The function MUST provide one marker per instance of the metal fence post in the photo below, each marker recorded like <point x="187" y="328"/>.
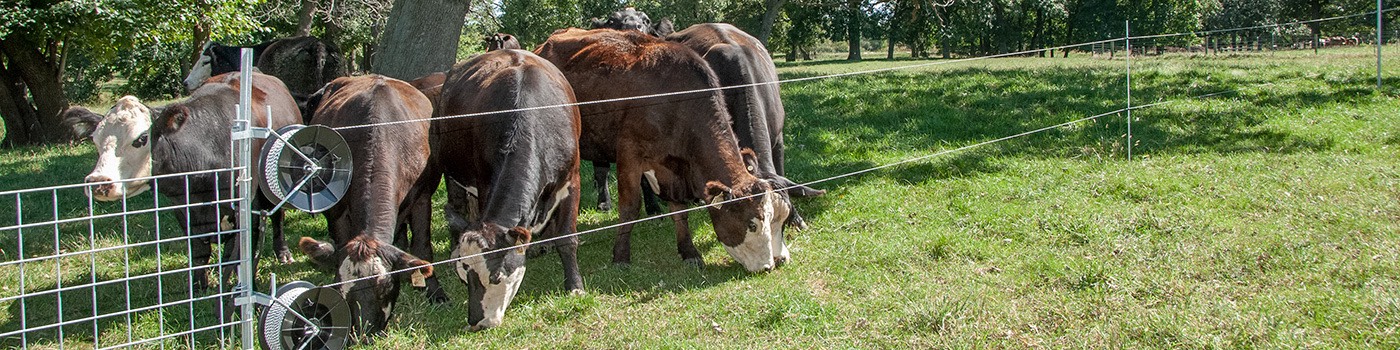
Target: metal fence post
<point x="1128" y="42"/>
<point x="1379" y="41"/>
<point x="242" y="135"/>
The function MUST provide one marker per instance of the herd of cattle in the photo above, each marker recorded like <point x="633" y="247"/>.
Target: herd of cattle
<point x="513" y="177"/>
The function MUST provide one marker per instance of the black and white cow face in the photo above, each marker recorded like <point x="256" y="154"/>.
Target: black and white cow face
<point x="750" y="229"/>
<point x="373" y="290"/>
<point x="214" y="59"/>
<point x="123" y="148"/>
<point x="492" y="279"/>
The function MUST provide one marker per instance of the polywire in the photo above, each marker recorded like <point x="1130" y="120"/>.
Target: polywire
<point x="1217" y="31"/>
<point x="837" y="75"/>
<point x="828" y="179"/>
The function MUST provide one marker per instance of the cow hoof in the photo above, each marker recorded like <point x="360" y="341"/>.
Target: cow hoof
<point x="622" y="264"/>
<point x="696" y="262"/>
<point x="577" y="292"/>
<point x="605" y="206"/>
<point x="437" y="298"/>
<point x="284" y="257"/>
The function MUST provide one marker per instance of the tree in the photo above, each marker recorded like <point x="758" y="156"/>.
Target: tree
<point x="420" y="38"/>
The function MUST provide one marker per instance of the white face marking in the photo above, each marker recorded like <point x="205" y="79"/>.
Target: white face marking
<point x="756" y="252"/>
<point x="117" y="159"/>
<point x="497" y="296"/>
<point x="651" y="178"/>
<point x="350" y="270"/>
<point x="201" y="70"/>
<point x="781" y="211"/>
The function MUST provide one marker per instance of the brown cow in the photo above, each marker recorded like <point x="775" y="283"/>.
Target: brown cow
<point x="739" y="59"/>
<point x="392" y="183"/>
<point x="682" y="143"/>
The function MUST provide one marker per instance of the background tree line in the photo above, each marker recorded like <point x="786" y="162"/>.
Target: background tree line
<point x="57" y="52"/>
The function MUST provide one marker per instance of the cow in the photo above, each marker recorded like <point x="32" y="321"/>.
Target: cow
<point x="392" y="182"/>
<point x="123" y="147"/>
<point x="193" y="135"/>
<point x="304" y="64"/>
<point x="520" y="166"/>
<point x="682" y="144"/>
<point x="629" y="18"/>
<point x="216" y="59"/>
<point x="500" y="41"/>
<point x="739" y="59"/>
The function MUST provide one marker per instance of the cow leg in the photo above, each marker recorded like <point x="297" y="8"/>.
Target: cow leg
<point x="279" y="242"/>
<point x="199" y="261"/>
<point x="685" y="244"/>
<point x="653" y="204"/>
<point x="420" y="222"/>
<point x="629" y="197"/>
<point x="600" y="181"/>
<point x="563" y="224"/>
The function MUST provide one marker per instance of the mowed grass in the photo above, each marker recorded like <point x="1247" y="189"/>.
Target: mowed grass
<point x="1262" y="217"/>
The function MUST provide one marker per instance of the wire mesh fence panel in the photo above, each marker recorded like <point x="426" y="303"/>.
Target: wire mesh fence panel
<point x="145" y="270"/>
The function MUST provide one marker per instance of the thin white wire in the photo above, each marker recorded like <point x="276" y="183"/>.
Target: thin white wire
<point x="1207" y="32"/>
<point x="828" y="179"/>
<point x="839" y="75"/>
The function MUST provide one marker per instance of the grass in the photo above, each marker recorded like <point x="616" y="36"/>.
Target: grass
<point x="1261" y="218"/>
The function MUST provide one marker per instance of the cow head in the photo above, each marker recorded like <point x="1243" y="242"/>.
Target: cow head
<point x="501" y="41"/>
<point x="123" y="148"/>
<point x="492" y="279"/>
<point x="214" y="59"/>
<point x="624" y="19"/>
<point x="366" y="271"/>
<point x="748" y="219"/>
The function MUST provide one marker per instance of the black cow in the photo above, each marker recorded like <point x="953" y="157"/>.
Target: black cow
<point x="682" y="144"/>
<point x="739" y="59"/>
<point x="630" y="18"/>
<point x="305" y="63"/>
<point x="193" y="135"/>
<point x="392" y="183"/>
<point x="501" y="41"/>
<point x="522" y="168"/>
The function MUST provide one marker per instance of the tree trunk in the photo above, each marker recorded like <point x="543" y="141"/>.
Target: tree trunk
<point x="18" y="115"/>
<point x="1039" y="28"/>
<point x="770" y="15"/>
<point x="421" y="37"/>
<point x="853" y="24"/>
<point x="40" y="76"/>
<point x="305" y="16"/>
<point x="889" y="50"/>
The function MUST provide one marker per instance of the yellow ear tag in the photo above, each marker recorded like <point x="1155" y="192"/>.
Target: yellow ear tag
<point x="418" y="280"/>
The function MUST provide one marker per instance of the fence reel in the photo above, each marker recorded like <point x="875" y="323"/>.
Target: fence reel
<point x="306" y="317"/>
<point x="306" y="166"/>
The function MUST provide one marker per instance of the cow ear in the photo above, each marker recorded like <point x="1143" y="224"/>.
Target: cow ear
<point x="716" y="192"/>
<point x="81" y="122"/>
<point x="521" y="236"/>
<point x="663" y="28"/>
<point x="311" y="104"/>
<point x="424" y="267"/>
<point x="174" y="118"/>
<point x="750" y="160"/>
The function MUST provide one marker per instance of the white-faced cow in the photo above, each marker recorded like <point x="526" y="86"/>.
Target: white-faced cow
<point x="392" y="183"/>
<point x="500" y="41"/>
<point x="682" y="144"/>
<point x="192" y="136"/>
<point x="739" y="59"/>
<point x="521" y="168"/>
<point x="304" y="64"/>
<point x="123" y="148"/>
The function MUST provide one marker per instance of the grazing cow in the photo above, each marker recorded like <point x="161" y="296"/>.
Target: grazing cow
<point x="521" y="167"/>
<point x="305" y="63"/>
<point x="739" y="59"/>
<point x="193" y="135"/>
<point x="501" y="41"/>
<point x="392" y="183"/>
<point x="123" y="150"/>
<point x="682" y="144"/>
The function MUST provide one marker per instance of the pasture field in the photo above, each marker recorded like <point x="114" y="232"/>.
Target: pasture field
<point x="1266" y="217"/>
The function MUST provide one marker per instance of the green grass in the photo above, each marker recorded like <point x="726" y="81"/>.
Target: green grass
<point x="1262" y="218"/>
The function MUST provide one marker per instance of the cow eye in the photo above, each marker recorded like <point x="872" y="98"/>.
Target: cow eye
<point x="753" y="226"/>
<point x="140" y="141"/>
